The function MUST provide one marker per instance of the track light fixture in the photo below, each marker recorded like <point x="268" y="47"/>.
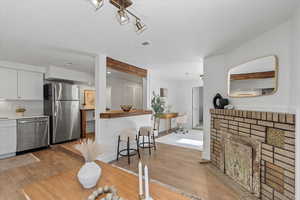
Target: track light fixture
<point x="139" y="26"/>
<point x="97" y="3"/>
<point x="122" y="13"/>
<point x="122" y="17"/>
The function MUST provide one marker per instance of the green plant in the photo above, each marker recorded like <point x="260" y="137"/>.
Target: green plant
<point x="157" y="104"/>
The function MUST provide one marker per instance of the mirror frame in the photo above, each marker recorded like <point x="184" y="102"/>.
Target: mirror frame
<point x="276" y="77"/>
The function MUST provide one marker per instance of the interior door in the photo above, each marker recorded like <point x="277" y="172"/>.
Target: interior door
<point x="66" y="121"/>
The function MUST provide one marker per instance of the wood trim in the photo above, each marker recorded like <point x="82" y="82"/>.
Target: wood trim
<point x="124" y="67"/>
<point x="120" y="113"/>
<point x="255" y="75"/>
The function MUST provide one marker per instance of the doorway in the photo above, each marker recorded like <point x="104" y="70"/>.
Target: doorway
<point x="197" y="108"/>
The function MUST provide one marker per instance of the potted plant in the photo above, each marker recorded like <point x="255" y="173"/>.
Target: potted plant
<point x="158" y="107"/>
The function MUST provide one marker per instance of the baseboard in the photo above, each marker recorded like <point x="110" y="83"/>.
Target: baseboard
<point x="204" y="161"/>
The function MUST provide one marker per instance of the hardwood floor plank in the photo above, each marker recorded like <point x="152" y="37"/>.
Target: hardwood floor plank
<point x="179" y="167"/>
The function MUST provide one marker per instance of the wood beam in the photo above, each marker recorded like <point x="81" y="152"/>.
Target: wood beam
<point x="124" y="67"/>
<point x="255" y="75"/>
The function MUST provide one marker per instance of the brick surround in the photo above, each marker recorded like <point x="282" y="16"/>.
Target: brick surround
<point x="276" y="132"/>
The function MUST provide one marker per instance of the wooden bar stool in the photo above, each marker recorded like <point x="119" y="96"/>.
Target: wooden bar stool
<point x="130" y="137"/>
<point x="147" y="132"/>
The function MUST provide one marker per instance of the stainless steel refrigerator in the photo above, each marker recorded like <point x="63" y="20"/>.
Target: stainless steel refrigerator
<point x="62" y="104"/>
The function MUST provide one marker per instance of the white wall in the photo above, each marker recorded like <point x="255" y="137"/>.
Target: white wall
<point x="8" y="108"/>
<point x="295" y="90"/>
<point x="184" y="100"/>
<point x="179" y="94"/>
<point x="274" y="42"/>
<point x="283" y="41"/>
<point x="156" y="82"/>
<point x="214" y="82"/>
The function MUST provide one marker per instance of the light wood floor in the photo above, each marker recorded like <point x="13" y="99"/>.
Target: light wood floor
<point x="171" y="165"/>
<point x="180" y="168"/>
<point x="52" y="161"/>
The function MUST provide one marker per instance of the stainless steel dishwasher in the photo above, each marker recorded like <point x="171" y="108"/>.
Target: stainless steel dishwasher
<point x="32" y="133"/>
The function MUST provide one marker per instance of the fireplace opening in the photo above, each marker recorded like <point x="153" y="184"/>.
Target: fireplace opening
<point x="241" y="161"/>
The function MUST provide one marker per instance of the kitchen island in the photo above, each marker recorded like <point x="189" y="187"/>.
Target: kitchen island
<point x="65" y="186"/>
<point x="111" y="125"/>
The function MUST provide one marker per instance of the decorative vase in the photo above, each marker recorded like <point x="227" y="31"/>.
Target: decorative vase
<point x="89" y="175"/>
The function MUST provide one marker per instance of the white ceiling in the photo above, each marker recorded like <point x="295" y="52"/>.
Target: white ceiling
<point x="55" y="32"/>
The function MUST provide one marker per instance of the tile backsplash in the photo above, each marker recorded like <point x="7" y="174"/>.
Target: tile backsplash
<point x="32" y="107"/>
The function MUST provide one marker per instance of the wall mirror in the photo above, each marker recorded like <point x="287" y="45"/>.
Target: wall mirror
<point x="254" y="78"/>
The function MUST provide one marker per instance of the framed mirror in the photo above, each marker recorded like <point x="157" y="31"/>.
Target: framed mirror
<point x="254" y="78"/>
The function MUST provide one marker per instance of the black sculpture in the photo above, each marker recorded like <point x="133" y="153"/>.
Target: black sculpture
<point x="220" y="102"/>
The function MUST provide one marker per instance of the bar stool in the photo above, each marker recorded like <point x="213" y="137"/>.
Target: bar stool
<point x="130" y="137"/>
<point x="147" y="131"/>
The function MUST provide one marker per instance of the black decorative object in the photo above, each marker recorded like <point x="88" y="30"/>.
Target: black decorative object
<point x="220" y="102"/>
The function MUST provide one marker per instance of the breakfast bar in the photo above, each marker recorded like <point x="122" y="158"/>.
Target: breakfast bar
<point x="111" y="125"/>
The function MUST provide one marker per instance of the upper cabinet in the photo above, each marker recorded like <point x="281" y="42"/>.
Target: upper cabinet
<point x="8" y="83"/>
<point x="30" y="85"/>
<point x="22" y="85"/>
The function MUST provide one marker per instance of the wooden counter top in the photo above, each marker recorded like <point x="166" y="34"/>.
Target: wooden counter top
<point x="120" y="113"/>
<point x="66" y="186"/>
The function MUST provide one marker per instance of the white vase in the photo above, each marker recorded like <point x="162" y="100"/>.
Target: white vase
<point x="89" y="175"/>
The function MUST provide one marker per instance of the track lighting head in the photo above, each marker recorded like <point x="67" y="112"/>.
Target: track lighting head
<point x="97" y="3"/>
<point x="139" y="26"/>
<point x="122" y="17"/>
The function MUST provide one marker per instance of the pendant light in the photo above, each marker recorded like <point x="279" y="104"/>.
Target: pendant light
<point x="139" y="26"/>
<point x="97" y="3"/>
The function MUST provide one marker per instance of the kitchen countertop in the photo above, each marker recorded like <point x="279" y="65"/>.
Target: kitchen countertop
<point x="15" y="117"/>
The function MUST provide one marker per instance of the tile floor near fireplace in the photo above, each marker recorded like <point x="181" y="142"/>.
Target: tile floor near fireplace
<point x="268" y="138"/>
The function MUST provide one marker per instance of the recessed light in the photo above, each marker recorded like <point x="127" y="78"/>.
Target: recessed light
<point x="108" y="72"/>
<point x="69" y="64"/>
<point x="146" y="43"/>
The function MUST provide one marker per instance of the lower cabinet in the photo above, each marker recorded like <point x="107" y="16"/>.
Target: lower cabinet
<point x="8" y="138"/>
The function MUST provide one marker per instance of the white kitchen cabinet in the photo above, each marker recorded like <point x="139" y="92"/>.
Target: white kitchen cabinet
<point x="30" y="85"/>
<point x="8" y="83"/>
<point x="8" y="138"/>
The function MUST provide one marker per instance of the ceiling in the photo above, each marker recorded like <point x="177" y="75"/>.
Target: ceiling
<point x="57" y="32"/>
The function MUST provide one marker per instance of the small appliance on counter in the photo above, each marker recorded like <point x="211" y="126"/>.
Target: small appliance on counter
<point x="62" y="104"/>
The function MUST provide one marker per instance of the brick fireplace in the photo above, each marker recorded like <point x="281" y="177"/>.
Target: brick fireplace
<point x="256" y="150"/>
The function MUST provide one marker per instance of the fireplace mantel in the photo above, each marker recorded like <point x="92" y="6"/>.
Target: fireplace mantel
<point x="276" y="134"/>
